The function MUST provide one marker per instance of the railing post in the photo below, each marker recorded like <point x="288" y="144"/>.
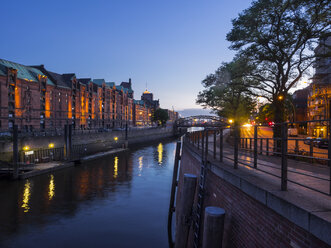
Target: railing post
<point x="69" y="140"/>
<point x="214" y="144"/>
<point x="199" y="134"/>
<point x="206" y="147"/>
<point x="296" y="149"/>
<point x="221" y="145"/>
<point x="329" y="151"/>
<point x="246" y="143"/>
<point x="15" y="151"/>
<point x="255" y="146"/>
<point x="203" y="145"/>
<point x="236" y="141"/>
<point x="284" y="157"/>
<point x="261" y="146"/>
<point x="267" y="146"/>
<point x="250" y="143"/>
<point x="311" y="151"/>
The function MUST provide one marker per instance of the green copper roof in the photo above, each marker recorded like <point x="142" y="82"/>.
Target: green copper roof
<point x="23" y="72"/>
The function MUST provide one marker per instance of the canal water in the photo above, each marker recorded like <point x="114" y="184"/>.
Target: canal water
<point x="116" y="201"/>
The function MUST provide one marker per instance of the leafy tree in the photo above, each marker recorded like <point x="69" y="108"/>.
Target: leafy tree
<point x="267" y="114"/>
<point x="160" y="116"/>
<point x="278" y="37"/>
<point x="227" y="91"/>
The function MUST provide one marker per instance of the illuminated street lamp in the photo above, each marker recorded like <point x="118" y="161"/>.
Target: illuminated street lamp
<point x="230" y="121"/>
<point x="280" y="97"/>
<point x="26" y="148"/>
<point x="51" y="145"/>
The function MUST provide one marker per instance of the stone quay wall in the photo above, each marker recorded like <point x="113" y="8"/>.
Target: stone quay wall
<point x="254" y="217"/>
<point x="102" y="140"/>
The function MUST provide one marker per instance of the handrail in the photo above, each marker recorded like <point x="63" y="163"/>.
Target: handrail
<point x="255" y="150"/>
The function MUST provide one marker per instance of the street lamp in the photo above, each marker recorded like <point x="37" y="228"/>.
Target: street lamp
<point x="280" y="97"/>
<point x="230" y="121"/>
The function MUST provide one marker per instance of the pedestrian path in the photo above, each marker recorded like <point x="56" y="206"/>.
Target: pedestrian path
<point x="308" y="177"/>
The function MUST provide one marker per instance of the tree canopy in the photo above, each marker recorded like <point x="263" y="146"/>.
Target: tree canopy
<point x="278" y="38"/>
<point x="227" y="91"/>
<point x="160" y="116"/>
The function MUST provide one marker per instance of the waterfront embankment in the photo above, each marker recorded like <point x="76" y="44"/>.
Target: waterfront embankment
<point x="37" y="157"/>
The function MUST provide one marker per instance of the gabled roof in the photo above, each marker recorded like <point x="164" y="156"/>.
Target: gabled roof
<point x="99" y="81"/>
<point x="28" y="73"/>
<point x="85" y="80"/>
<point x="68" y="77"/>
<point x="59" y="80"/>
<point x="110" y="84"/>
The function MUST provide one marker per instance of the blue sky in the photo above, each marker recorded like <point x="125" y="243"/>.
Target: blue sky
<point x="170" y="45"/>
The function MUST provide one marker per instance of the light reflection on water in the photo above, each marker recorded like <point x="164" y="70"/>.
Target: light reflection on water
<point x="104" y="203"/>
<point x="160" y="151"/>
<point x="51" y="187"/>
<point x="116" y="167"/>
<point x="26" y="196"/>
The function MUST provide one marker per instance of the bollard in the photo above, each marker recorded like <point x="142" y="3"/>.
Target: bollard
<point x="173" y="192"/>
<point x="213" y="227"/>
<point x="184" y="210"/>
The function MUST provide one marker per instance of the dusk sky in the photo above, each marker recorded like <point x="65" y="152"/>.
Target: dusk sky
<point x="170" y="45"/>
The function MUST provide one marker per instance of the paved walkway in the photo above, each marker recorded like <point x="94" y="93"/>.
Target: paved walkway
<point x="300" y="174"/>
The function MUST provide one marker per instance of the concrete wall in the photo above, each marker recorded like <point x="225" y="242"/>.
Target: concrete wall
<point x="135" y="136"/>
<point x="256" y="217"/>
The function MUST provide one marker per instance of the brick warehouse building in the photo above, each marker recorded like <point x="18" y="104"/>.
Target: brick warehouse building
<point x="35" y="98"/>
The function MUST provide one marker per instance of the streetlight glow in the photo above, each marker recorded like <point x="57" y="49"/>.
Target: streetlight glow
<point x="51" y="145"/>
<point x="230" y="121"/>
<point x="26" y="148"/>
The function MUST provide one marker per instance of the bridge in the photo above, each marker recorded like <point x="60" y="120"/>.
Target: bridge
<point x="201" y="121"/>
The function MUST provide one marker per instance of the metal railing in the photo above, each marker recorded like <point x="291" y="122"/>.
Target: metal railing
<point x="255" y="151"/>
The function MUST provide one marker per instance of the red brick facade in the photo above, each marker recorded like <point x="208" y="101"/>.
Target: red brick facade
<point x="36" y="99"/>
